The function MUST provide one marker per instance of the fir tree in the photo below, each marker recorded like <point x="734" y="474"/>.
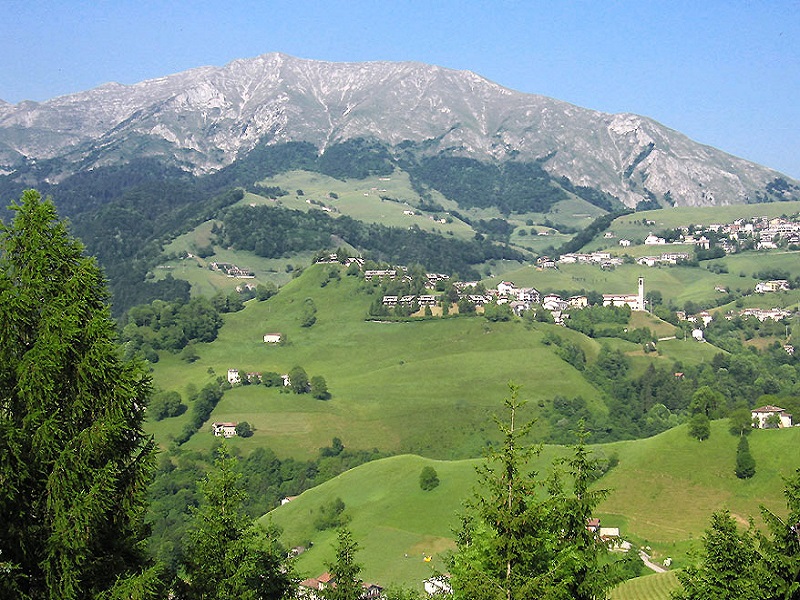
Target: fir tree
<point x="516" y="543"/>
<point x="344" y="569"/>
<point x="578" y="570"/>
<point x="74" y="462"/>
<point x="503" y="542"/>
<point x="226" y="554"/>
<point x="728" y="568"/>
<point x="781" y="549"/>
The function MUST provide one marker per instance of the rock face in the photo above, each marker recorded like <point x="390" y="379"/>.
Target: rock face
<point x="205" y="118"/>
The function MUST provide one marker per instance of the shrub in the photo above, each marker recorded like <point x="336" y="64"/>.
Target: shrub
<point x="428" y="478"/>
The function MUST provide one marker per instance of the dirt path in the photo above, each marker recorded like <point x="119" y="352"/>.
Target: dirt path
<point x="650" y="565"/>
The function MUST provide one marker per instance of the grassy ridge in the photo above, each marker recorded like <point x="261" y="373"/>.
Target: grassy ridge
<point x="662" y="494"/>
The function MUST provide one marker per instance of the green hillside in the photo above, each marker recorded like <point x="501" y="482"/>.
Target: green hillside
<point x="663" y="492"/>
<point x="425" y="387"/>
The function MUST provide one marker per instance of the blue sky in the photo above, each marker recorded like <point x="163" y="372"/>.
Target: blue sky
<point x="726" y="74"/>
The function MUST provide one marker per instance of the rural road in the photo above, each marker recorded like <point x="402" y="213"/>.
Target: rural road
<point x="650" y="565"/>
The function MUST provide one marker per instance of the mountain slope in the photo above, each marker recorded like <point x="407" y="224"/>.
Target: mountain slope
<point x="205" y="118"/>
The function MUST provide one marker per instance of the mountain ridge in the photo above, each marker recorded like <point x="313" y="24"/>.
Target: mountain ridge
<point x="207" y="117"/>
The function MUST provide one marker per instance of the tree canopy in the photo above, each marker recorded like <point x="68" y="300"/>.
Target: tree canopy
<point x="74" y="461"/>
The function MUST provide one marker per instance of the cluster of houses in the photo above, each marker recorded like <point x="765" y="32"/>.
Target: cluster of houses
<point x="762" y="233"/>
<point x="601" y="258"/>
<point x="666" y="258"/>
<point x="520" y="299"/>
<point x="232" y="270"/>
<point x="313" y="588"/>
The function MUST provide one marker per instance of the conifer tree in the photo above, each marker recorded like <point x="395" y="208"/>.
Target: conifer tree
<point x="74" y="462"/>
<point x="577" y="570"/>
<point x="728" y="567"/>
<point x="745" y="463"/>
<point x="345" y="569"/>
<point x="503" y="543"/>
<point x="520" y="541"/>
<point x="227" y="555"/>
<point x="781" y="549"/>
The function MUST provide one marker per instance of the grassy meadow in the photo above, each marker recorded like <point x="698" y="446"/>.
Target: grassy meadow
<point x="656" y="586"/>
<point x="427" y="387"/>
<point x="662" y="494"/>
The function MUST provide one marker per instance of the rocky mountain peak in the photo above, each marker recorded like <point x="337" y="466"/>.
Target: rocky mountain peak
<point x="205" y="118"/>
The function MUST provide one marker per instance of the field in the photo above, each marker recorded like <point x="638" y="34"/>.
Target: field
<point x="374" y="200"/>
<point x="662" y="495"/>
<point x="632" y="226"/>
<point x="425" y="387"/>
<point x="656" y="586"/>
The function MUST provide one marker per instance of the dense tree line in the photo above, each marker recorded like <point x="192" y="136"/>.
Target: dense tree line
<point x="511" y="186"/>
<point x="273" y="232"/>
<point x="599" y="225"/>
<point x="171" y="325"/>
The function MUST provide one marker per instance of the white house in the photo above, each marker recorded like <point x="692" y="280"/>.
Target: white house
<point x="438" y="584"/>
<point x="506" y="288"/>
<point x="654" y="240"/>
<point x="624" y="243"/>
<point x="578" y="302"/>
<point x="762" y="414"/>
<point x="227" y="430"/>
<point x="272" y="338"/>
<point x="774" y="285"/>
<point x="233" y="376"/>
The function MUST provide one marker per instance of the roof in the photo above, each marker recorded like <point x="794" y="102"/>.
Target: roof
<point x="768" y="409"/>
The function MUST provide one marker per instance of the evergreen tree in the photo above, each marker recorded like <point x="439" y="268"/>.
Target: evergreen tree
<point x="745" y="463"/>
<point x="781" y="550"/>
<point x="515" y="544"/>
<point x="503" y="543"/>
<point x="577" y="570"/>
<point x="227" y="555"/>
<point x="728" y="568"/>
<point x="344" y="569"/>
<point x="74" y="462"/>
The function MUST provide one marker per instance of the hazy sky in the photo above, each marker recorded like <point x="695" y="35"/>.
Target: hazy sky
<point x="724" y="73"/>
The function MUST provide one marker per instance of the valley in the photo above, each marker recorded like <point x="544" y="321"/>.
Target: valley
<point x="343" y="299"/>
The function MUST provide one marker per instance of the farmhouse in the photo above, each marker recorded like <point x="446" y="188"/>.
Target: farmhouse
<point x="226" y="430"/>
<point x="654" y="240"/>
<point x="371" y="273"/>
<point x="310" y="588"/>
<point x="233" y="376"/>
<point x="765" y="416"/>
<point x="775" y="285"/>
<point x="272" y="338"/>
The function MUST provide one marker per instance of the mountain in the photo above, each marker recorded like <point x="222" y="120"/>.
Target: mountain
<point x="206" y="118"/>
